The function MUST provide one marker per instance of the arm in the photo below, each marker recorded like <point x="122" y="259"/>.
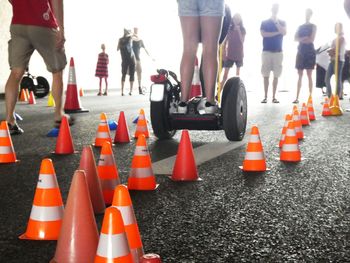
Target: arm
<point x="281" y="27"/>
<point x="57" y="8"/>
<point x="268" y="34"/>
<point x="118" y="47"/>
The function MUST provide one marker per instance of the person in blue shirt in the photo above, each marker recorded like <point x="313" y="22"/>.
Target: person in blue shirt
<point x="272" y="30"/>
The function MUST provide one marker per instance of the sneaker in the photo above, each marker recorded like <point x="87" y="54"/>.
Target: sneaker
<point x="15" y="129"/>
<point x="210" y="108"/>
<point x="182" y="107"/>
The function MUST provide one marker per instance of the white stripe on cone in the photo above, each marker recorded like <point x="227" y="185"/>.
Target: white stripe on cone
<point x="106" y="160"/>
<point x="6" y="149"/>
<point x="254" y="156"/>
<point x="109" y="184"/>
<point x="127" y="215"/>
<point x="113" y="246"/>
<point x="4" y="133"/>
<point x="254" y="138"/>
<point x="71" y="78"/>
<point x="47" y="181"/>
<point x="141" y="151"/>
<point x="102" y="135"/>
<point x="141" y="172"/>
<point x="46" y="213"/>
<point x="290" y="148"/>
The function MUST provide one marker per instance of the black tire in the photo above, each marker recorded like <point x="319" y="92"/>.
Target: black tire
<point x="42" y="88"/>
<point x="27" y="83"/>
<point x="234" y="109"/>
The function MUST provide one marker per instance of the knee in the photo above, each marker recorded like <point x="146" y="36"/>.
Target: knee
<point x="17" y="74"/>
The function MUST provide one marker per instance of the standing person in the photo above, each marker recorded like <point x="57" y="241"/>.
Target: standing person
<point x="341" y="59"/>
<point x="137" y="44"/>
<point x="201" y="21"/>
<point x="102" y="69"/>
<point x="36" y="25"/>
<point x="233" y="47"/>
<point x="306" y="55"/>
<point x="272" y="30"/>
<point x="128" y="59"/>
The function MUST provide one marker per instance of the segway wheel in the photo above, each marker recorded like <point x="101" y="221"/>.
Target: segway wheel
<point x="42" y="88"/>
<point x="27" y="83"/>
<point x="160" y="120"/>
<point x="234" y="109"/>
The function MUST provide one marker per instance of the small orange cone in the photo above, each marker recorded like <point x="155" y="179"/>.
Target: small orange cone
<point x="150" y="258"/>
<point x="78" y="238"/>
<point x="88" y="164"/>
<point x="81" y="92"/>
<point x="122" y="132"/>
<point x="185" y="168"/>
<point x="122" y="201"/>
<point x="297" y="123"/>
<point x="47" y="210"/>
<point x="141" y="126"/>
<point x="31" y="98"/>
<point x="310" y="109"/>
<point x="103" y="134"/>
<point x="107" y="172"/>
<point x="23" y="95"/>
<point x="28" y="94"/>
<point x="7" y="152"/>
<point x="64" y="144"/>
<point x="254" y="160"/>
<point x="304" y="116"/>
<point x="288" y="118"/>
<point x="113" y="245"/>
<point x="326" y="111"/>
<point x="290" y="151"/>
<point x="196" y="88"/>
<point x="141" y="176"/>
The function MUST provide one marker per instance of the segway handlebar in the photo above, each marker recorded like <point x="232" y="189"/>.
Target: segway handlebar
<point x="168" y="73"/>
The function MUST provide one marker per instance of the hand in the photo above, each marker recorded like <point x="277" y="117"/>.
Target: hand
<point x="60" y="39"/>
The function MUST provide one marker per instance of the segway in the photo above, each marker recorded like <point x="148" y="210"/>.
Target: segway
<point x="165" y="96"/>
<point x="39" y="85"/>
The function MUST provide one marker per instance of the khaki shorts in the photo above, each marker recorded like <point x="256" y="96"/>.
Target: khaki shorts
<point x="271" y="61"/>
<point x="25" y="39"/>
<point x="201" y="7"/>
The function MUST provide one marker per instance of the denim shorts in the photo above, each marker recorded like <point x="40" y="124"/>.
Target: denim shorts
<point x="201" y="7"/>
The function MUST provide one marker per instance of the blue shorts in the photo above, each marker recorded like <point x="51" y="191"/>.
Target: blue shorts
<point x="201" y="7"/>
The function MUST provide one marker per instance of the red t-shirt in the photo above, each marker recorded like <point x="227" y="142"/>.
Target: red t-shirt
<point x="33" y="12"/>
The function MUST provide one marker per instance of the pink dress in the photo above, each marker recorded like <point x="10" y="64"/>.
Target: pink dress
<point x="102" y="65"/>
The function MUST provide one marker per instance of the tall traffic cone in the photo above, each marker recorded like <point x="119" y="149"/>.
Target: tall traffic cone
<point x="81" y="92"/>
<point x="254" y="160"/>
<point x="122" y="132"/>
<point x="64" y="144"/>
<point x="196" y="88"/>
<point x="7" y="152"/>
<point x="288" y="118"/>
<point x="290" y="151"/>
<point x="310" y="109"/>
<point x="113" y="245"/>
<point x="31" y="98"/>
<point x="185" y="168"/>
<point x="47" y="210"/>
<point x="107" y="172"/>
<point x="122" y="201"/>
<point x="50" y="100"/>
<point x="72" y="104"/>
<point x="150" y="258"/>
<point x="304" y="116"/>
<point x="141" y="126"/>
<point x="141" y="176"/>
<point x="23" y="96"/>
<point x="297" y="123"/>
<point x="88" y="164"/>
<point x="326" y="111"/>
<point x="103" y="134"/>
<point x="78" y="238"/>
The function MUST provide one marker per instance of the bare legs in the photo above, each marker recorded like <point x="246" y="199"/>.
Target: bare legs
<point x="100" y="87"/>
<point x="274" y="87"/>
<point x="226" y="72"/>
<point x="57" y="93"/>
<point x="309" y="76"/>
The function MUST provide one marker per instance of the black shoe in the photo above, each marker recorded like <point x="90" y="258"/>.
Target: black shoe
<point x="141" y="91"/>
<point x="15" y="129"/>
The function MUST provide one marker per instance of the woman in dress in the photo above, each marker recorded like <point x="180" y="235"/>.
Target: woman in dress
<point x="102" y="69"/>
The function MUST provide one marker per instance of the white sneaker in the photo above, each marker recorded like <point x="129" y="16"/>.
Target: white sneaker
<point x="182" y="108"/>
<point x="210" y="108"/>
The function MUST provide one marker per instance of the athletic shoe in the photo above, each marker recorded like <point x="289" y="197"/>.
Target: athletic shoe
<point x="15" y="129"/>
<point x="182" y="107"/>
<point x="210" y="108"/>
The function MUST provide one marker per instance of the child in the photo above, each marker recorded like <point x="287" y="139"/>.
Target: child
<point x="102" y="69"/>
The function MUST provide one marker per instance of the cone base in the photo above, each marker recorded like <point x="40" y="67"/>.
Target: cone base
<point x="254" y="170"/>
<point x="48" y="230"/>
<point x="75" y="152"/>
<point x="76" y="111"/>
<point x="185" y="179"/>
<point x="336" y="110"/>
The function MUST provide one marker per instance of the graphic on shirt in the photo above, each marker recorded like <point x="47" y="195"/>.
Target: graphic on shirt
<point x="46" y="15"/>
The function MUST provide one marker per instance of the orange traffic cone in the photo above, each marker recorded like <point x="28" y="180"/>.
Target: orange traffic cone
<point x="310" y="109"/>
<point x="254" y="160"/>
<point x="150" y="258"/>
<point x="72" y="103"/>
<point x="103" y="134"/>
<point x="122" y="201"/>
<point x="31" y="98"/>
<point x="304" y="116"/>
<point x="196" y="88"/>
<point x="290" y="151"/>
<point x="7" y="152"/>
<point x="88" y="164"/>
<point x="185" y="168"/>
<point x="113" y="245"/>
<point x="141" y="126"/>
<point x="107" y="172"/>
<point x="331" y="101"/>
<point x="81" y="92"/>
<point x="288" y="118"/>
<point x="28" y="94"/>
<point x="122" y="132"/>
<point x="64" y="144"/>
<point x="23" y="95"/>
<point x="141" y="176"/>
<point x="326" y="111"/>
<point x="297" y="123"/>
<point x="78" y="238"/>
<point x="47" y="210"/>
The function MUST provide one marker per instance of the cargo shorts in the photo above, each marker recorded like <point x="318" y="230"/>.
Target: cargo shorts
<point x="201" y="7"/>
<point x="25" y="39"/>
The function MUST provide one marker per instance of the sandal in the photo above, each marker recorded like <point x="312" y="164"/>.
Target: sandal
<point x="264" y="101"/>
<point x="275" y="100"/>
<point x="296" y="101"/>
<point x="71" y="121"/>
<point x="105" y="93"/>
<point x="99" y="94"/>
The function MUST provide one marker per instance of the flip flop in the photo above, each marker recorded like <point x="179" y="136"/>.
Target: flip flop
<point x="275" y="101"/>
<point x="264" y="101"/>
